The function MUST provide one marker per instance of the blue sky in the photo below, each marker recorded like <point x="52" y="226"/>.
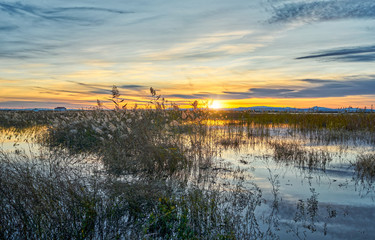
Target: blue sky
<point x="242" y="53"/>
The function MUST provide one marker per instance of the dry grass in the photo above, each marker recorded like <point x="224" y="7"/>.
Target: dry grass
<point x="144" y="182"/>
<point x="365" y="167"/>
<point x="293" y="153"/>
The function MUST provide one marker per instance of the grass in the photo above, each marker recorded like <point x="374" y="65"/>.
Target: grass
<point x="120" y="174"/>
<point x="50" y="198"/>
<point x="291" y="152"/>
<point x="365" y="167"/>
<point x="305" y="121"/>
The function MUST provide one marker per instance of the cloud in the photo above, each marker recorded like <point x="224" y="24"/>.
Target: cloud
<point x="269" y="92"/>
<point x="53" y="30"/>
<point x="90" y="88"/>
<point x="17" y="49"/>
<point x="309" y="80"/>
<point x="322" y="10"/>
<point x="96" y="9"/>
<point x="354" y="54"/>
<point x="183" y="96"/>
<point x="207" y="47"/>
<point x="132" y="86"/>
<point x="59" y="91"/>
<point x="39" y="104"/>
<point x="358" y="58"/>
<point x="53" y="14"/>
<point x="8" y="28"/>
<point x="201" y="95"/>
<point x="317" y="88"/>
<point x="87" y="89"/>
<point x="306" y="88"/>
<point x="103" y="91"/>
<point x="337" y="88"/>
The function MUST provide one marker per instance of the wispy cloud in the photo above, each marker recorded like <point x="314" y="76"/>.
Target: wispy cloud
<point x="200" y="95"/>
<point x="310" y="11"/>
<point x="354" y="54"/>
<point x="59" y="91"/>
<point x="40" y="104"/>
<point x="96" y="9"/>
<point x="207" y="47"/>
<point x="104" y="88"/>
<point x="51" y="30"/>
<point x="311" y="80"/>
<point x="53" y="14"/>
<point x="8" y="28"/>
<point x="17" y="49"/>
<point x="132" y="87"/>
<point x="316" y="88"/>
<point x="90" y="89"/>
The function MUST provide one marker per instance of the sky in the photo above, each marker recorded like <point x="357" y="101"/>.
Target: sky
<point x="239" y="53"/>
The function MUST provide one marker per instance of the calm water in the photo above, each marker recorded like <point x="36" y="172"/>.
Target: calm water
<point x="345" y="206"/>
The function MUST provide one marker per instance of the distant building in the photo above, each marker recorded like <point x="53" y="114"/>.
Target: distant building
<point x="60" y="108"/>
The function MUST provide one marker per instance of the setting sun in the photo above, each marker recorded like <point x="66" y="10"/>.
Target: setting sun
<point x="216" y="105"/>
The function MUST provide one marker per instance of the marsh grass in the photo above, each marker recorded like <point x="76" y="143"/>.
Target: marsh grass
<point x="40" y="197"/>
<point x="291" y="152"/>
<point x="323" y="127"/>
<point x="49" y="197"/>
<point x="305" y="121"/>
<point x="123" y="174"/>
<point x="206" y="215"/>
<point x="365" y="167"/>
<point x="140" y="142"/>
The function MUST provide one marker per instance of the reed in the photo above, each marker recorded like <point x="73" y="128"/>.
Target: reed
<point x="365" y="167"/>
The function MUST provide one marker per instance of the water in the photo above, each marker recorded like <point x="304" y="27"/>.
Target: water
<point x="345" y="207"/>
<point x="326" y="201"/>
<point x="16" y="141"/>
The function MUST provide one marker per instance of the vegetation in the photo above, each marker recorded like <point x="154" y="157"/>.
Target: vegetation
<point x="365" y="167"/>
<point x="305" y="121"/>
<point x="293" y="153"/>
<point x="154" y="173"/>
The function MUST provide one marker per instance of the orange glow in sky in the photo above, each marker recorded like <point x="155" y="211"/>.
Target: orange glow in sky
<point x="234" y="53"/>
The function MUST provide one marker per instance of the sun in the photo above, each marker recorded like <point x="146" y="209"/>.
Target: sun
<point x="215" y="105"/>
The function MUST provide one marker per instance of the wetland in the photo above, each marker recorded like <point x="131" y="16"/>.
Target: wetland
<point x="163" y="173"/>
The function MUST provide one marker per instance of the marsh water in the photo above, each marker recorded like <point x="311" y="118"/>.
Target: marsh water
<point x="309" y="186"/>
<point x="319" y="196"/>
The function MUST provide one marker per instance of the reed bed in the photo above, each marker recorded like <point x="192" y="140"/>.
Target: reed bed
<point x="122" y="174"/>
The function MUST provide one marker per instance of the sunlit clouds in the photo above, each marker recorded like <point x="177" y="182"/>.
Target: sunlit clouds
<point x="241" y="53"/>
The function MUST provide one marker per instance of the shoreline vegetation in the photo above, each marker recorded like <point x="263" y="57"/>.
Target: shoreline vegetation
<point x="154" y="173"/>
<point x="332" y="121"/>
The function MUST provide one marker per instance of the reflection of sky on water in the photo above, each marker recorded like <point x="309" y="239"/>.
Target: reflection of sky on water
<point x="350" y="222"/>
<point x="24" y="147"/>
<point x="335" y="185"/>
<point x="22" y="141"/>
